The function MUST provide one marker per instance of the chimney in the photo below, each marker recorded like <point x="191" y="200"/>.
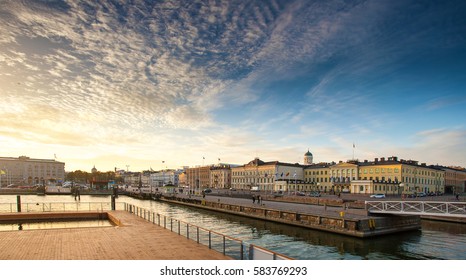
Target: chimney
<point x="376" y="160"/>
<point x="382" y="159"/>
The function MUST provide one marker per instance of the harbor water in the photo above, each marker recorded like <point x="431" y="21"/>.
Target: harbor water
<point x="436" y="240"/>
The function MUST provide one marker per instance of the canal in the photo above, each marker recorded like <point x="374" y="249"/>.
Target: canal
<point x="436" y="240"/>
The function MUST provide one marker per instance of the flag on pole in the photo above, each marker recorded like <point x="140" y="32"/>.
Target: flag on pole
<point x="354" y="145"/>
<point x="287" y="174"/>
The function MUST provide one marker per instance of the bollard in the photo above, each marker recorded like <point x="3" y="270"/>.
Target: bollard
<point x="18" y="203"/>
<point x="113" y="202"/>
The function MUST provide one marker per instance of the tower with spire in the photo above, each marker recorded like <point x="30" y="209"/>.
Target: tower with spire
<point x="308" y="158"/>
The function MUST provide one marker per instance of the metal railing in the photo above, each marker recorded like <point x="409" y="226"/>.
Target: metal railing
<point x="229" y="246"/>
<point x="59" y="207"/>
<point x="428" y="208"/>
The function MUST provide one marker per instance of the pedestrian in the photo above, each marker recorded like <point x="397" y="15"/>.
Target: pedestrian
<point x="457" y="196"/>
<point x="259" y="198"/>
<point x="253" y="199"/>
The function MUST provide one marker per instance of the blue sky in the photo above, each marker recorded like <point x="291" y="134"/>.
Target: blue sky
<point x="111" y="84"/>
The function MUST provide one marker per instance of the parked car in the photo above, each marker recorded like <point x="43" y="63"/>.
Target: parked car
<point x="378" y="195"/>
<point x="315" y="194"/>
<point x="232" y="189"/>
<point x="421" y="194"/>
<point x="207" y="191"/>
<point x="300" y="194"/>
<point x="278" y="194"/>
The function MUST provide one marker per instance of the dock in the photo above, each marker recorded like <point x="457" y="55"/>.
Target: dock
<point x="132" y="238"/>
<point x="324" y="217"/>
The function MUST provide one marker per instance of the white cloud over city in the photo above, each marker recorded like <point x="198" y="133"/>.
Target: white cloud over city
<point x="110" y="83"/>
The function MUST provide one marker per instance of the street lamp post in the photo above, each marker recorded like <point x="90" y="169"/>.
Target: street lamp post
<point x="400" y="187"/>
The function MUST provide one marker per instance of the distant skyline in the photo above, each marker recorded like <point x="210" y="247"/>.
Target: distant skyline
<point x="156" y="84"/>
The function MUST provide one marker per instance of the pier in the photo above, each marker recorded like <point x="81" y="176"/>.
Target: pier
<point x="132" y="238"/>
<point x="333" y="217"/>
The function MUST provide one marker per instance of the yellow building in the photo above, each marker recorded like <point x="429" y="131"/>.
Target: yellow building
<point x="455" y="179"/>
<point x="393" y="176"/>
<point x="25" y="171"/>
<point x="262" y="175"/>
<point x="318" y="175"/>
<point x="342" y="174"/>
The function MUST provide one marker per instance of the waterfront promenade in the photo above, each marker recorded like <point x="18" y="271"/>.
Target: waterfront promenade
<point x="135" y="239"/>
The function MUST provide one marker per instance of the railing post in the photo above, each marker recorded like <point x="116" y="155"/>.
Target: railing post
<point x="187" y="231"/>
<point x="18" y="203"/>
<point x="241" y="250"/>
<point x="210" y="239"/>
<point x="197" y="233"/>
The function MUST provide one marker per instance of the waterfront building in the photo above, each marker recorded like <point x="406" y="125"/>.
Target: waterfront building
<point x="393" y="176"/>
<point x="220" y="176"/>
<point x="293" y="186"/>
<point x="318" y="175"/>
<point x="198" y="178"/>
<point x="165" y="177"/>
<point x="182" y="179"/>
<point x="262" y="175"/>
<point x="27" y="171"/>
<point x="455" y="179"/>
<point x="136" y="179"/>
<point x="342" y="174"/>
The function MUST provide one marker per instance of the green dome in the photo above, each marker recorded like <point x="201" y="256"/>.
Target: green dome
<point x="308" y="154"/>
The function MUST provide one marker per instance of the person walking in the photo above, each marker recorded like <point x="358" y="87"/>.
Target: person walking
<point x="253" y="199"/>
<point x="259" y="198"/>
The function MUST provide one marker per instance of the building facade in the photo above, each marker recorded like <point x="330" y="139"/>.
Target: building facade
<point x="25" y="171"/>
<point x="318" y="175"/>
<point x="262" y="175"/>
<point x="455" y="179"/>
<point x="198" y="178"/>
<point x="220" y="176"/>
<point x="393" y="176"/>
<point x="165" y="177"/>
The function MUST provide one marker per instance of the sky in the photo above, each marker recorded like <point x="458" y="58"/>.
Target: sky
<point x="136" y="85"/>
